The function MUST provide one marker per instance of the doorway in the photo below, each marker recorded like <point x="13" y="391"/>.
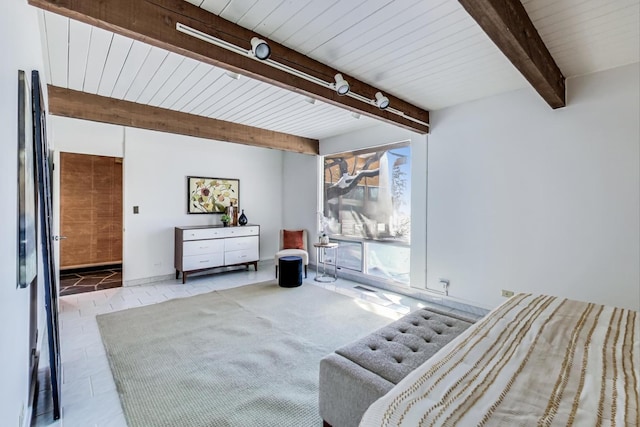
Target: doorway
<point x="90" y="223"/>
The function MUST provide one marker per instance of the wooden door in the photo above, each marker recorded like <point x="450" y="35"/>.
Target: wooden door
<point x="90" y="210"/>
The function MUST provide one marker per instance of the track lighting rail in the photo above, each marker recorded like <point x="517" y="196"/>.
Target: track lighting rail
<point x="340" y="85"/>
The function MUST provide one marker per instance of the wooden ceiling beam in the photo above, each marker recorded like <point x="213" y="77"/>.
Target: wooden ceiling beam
<point x="81" y="105"/>
<point x="508" y="25"/>
<point x="154" y="22"/>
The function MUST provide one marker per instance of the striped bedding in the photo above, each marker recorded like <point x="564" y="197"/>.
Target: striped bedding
<point x="533" y="361"/>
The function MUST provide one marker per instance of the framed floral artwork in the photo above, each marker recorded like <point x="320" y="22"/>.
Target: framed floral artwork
<point x="211" y="195"/>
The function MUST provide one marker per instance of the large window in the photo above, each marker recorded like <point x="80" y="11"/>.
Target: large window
<point x="367" y="208"/>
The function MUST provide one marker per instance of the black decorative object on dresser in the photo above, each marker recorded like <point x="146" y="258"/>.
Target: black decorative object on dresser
<point x="200" y="248"/>
<point x="243" y="218"/>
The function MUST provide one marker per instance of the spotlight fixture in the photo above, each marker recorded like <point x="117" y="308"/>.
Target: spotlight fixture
<point x="310" y="100"/>
<point x="260" y="48"/>
<point x="355" y="115"/>
<point x="381" y="101"/>
<point x="234" y="76"/>
<point x="342" y="86"/>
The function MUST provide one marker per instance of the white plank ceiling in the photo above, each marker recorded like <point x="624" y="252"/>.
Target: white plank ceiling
<point x="428" y="52"/>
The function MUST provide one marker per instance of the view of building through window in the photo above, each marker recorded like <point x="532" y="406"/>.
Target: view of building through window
<point x="367" y="208"/>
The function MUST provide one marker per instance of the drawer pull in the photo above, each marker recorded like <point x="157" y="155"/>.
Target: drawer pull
<point x="204" y="247"/>
<point x="202" y="262"/>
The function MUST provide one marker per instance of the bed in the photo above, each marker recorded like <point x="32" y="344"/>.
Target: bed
<point x="534" y="360"/>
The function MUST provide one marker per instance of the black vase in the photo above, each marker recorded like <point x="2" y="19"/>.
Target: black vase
<point x="242" y="219"/>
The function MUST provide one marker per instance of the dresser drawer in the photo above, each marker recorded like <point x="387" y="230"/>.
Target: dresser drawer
<point x="241" y="243"/>
<point x="238" y="231"/>
<point x="196" y="262"/>
<point x="248" y="230"/>
<point x="237" y="257"/>
<point x="202" y="233"/>
<point x="201" y="247"/>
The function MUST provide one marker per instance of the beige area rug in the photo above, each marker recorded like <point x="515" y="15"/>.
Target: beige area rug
<point x="247" y="356"/>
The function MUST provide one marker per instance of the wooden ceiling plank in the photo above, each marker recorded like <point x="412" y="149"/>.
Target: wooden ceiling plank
<point x="242" y="90"/>
<point x="161" y="76"/>
<point x="337" y="20"/>
<point x="507" y="24"/>
<point x="237" y="105"/>
<point x="300" y="21"/>
<point x="81" y="105"/>
<point x="259" y="10"/>
<point x="57" y="28"/>
<point x="376" y="26"/>
<point x="154" y="22"/>
<point x="222" y="88"/>
<point x="44" y="42"/>
<point x="286" y="11"/>
<point x="118" y="53"/>
<point x="251" y="94"/>
<point x="132" y="66"/>
<point x="280" y="106"/>
<point x="206" y="88"/>
<point x="153" y="61"/>
<point x="219" y="7"/>
<point x="186" y="85"/>
<point x="404" y="32"/>
<point x="179" y="76"/>
<point x="248" y="113"/>
<point x="79" y="39"/>
<point x="98" y="53"/>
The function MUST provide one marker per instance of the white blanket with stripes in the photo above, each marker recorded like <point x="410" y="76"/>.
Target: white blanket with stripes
<point x="533" y="361"/>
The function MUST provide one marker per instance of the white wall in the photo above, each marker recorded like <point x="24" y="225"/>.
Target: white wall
<point x="386" y="134"/>
<point x="530" y="199"/>
<point x="155" y="168"/>
<point x="86" y="137"/>
<point x="17" y="22"/>
<point x="300" y="196"/>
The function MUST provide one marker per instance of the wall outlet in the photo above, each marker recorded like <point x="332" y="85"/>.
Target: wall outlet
<point x="444" y="283"/>
<point x="506" y="293"/>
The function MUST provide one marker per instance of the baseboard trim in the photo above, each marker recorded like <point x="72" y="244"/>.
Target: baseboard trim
<point x="421" y="294"/>
<point x="147" y="280"/>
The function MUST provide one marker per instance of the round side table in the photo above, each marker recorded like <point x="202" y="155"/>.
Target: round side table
<point x="323" y="248"/>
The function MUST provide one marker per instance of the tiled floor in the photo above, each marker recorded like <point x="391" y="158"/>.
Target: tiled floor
<point x="80" y="281"/>
<point x="89" y="397"/>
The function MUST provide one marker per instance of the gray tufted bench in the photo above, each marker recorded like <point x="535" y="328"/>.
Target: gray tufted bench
<point x="356" y="375"/>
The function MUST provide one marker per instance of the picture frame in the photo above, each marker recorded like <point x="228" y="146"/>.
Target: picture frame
<point x="27" y="220"/>
<point x="211" y="195"/>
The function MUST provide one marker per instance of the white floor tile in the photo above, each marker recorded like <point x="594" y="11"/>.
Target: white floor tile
<point x="93" y="411"/>
<point x="102" y="383"/>
<point x="76" y="391"/>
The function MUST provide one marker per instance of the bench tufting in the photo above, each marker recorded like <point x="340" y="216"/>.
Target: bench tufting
<point x="357" y="374"/>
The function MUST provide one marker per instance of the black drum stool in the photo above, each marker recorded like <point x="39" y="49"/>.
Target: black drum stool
<point x="290" y="271"/>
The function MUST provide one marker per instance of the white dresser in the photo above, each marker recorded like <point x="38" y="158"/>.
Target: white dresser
<point x="199" y="248"/>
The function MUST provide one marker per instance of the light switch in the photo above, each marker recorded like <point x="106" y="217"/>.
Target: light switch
<point x="136" y="210"/>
